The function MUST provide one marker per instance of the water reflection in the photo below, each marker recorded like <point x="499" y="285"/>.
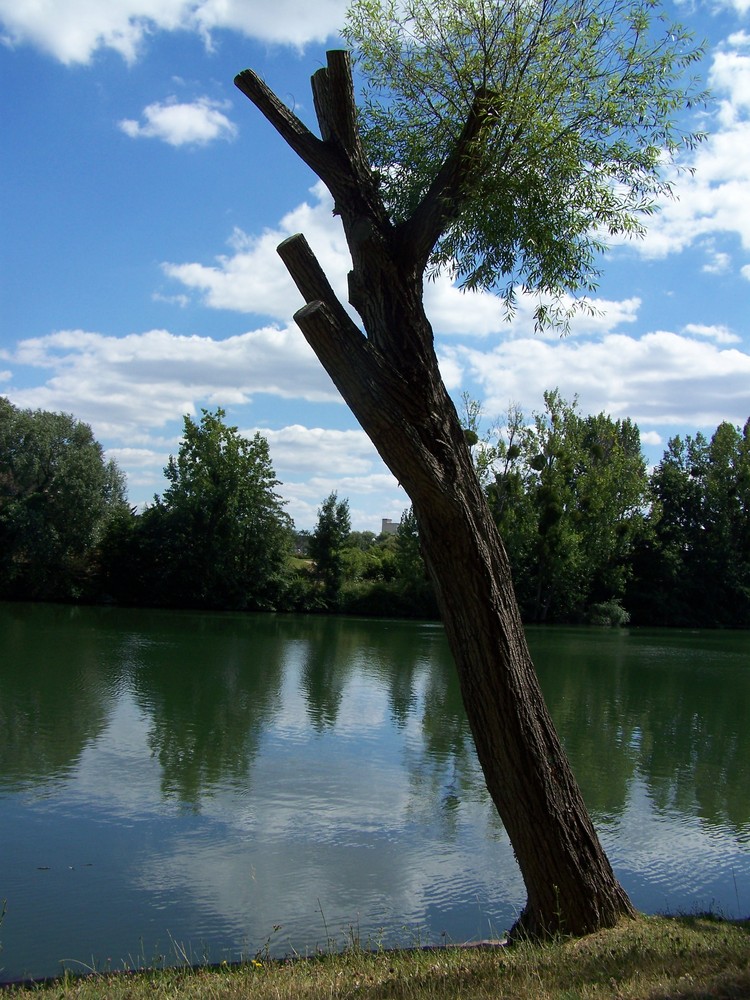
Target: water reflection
<point x="58" y="681"/>
<point x="665" y="709"/>
<point x="208" y="700"/>
<point x="212" y="776"/>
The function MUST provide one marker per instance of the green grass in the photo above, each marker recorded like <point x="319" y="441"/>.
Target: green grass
<point x="651" y="958"/>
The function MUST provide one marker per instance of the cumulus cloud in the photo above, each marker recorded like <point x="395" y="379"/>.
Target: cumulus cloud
<point x="313" y="462"/>
<point x="144" y="380"/>
<point x="179" y="124"/>
<point x="659" y="379"/>
<point x="652" y="438"/>
<point x="73" y="30"/>
<point x="252" y="279"/>
<point x="480" y="313"/>
<point x="714" y="198"/>
<point x="309" y="449"/>
<point x="721" y="334"/>
<point x="730" y="76"/>
<point x="133" y="389"/>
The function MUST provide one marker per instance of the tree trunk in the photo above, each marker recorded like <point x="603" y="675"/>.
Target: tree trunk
<point x="391" y="381"/>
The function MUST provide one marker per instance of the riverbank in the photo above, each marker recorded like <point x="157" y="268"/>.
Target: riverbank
<point x="651" y="958"/>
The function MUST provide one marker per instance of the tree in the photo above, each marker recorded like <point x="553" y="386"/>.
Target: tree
<point x="568" y="494"/>
<point x="695" y="567"/>
<point x="327" y="544"/>
<point x="218" y="536"/>
<point x="57" y="495"/>
<point x="498" y="141"/>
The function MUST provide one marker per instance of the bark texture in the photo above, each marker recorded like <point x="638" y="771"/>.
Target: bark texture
<point x="390" y="379"/>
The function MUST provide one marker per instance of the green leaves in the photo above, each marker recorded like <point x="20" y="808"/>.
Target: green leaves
<point x="327" y="546"/>
<point x="697" y="571"/>
<point x="568" y="496"/>
<point x="57" y="495"/>
<point x="219" y="534"/>
<point x="584" y="110"/>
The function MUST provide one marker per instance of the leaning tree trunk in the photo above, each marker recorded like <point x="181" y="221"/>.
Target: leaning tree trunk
<point x="391" y="381"/>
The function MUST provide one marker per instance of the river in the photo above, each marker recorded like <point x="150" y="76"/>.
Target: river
<point x="217" y="786"/>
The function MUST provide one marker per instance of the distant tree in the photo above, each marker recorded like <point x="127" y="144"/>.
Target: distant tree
<point x="694" y="565"/>
<point x="219" y="536"/>
<point x="327" y="544"/>
<point x="57" y="495"/>
<point x="414" y="581"/>
<point x="569" y="494"/>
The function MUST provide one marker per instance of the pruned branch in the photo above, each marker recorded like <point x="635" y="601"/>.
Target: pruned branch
<point x="338" y="158"/>
<point x="375" y="391"/>
<point x="311" y="280"/>
<point x="318" y="155"/>
<point x="336" y="109"/>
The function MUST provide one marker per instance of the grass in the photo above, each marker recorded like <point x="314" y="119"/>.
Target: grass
<point x="651" y="958"/>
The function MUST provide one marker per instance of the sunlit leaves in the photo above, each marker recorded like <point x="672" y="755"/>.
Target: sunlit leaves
<point x="586" y="106"/>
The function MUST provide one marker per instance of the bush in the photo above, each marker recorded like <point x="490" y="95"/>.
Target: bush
<point x="608" y="613"/>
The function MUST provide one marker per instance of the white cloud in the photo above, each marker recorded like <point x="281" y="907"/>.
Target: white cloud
<point x="294" y="22"/>
<point x="730" y="75"/>
<point x="144" y="380"/>
<point x="652" y="438"/>
<point x="253" y="279"/>
<point x="718" y="262"/>
<point x="738" y="6"/>
<point x="310" y="449"/>
<point x="73" y="30"/>
<point x="662" y="378"/>
<point x="131" y="389"/>
<point x="179" y="124"/>
<point x="313" y="462"/>
<point x="453" y="311"/>
<point x="721" y="334"/>
<point x="715" y="197"/>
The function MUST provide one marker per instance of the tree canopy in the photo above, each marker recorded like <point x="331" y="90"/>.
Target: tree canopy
<point x="530" y="133"/>
<point x="569" y="494"/>
<point x="230" y="528"/>
<point x="218" y="536"/>
<point x="57" y="496"/>
<point x="327" y="544"/>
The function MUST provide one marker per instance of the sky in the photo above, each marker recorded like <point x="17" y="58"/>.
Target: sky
<point x="142" y="197"/>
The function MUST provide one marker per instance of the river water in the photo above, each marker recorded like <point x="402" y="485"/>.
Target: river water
<point x="216" y="786"/>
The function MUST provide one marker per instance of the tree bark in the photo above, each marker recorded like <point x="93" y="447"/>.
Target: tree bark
<point x="391" y="381"/>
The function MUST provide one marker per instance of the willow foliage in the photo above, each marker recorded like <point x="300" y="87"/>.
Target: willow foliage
<point x="583" y="104"/>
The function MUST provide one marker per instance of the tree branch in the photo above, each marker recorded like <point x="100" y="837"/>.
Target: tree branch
<point x="311" y="280"/>
<point x="375" y="391"/>
<point x="336" y="109"/>
<point x="442" y="203"/>
<point x="321" y="157"/>
<point x="338" y="158"/>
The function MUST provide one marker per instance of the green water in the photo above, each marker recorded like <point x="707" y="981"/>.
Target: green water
<point x="221" y="784"/>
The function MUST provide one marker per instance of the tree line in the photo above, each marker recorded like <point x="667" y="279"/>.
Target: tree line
<point x="593" y="536"/>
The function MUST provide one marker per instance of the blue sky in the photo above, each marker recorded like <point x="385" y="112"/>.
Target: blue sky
<point x="143" y="197"/>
